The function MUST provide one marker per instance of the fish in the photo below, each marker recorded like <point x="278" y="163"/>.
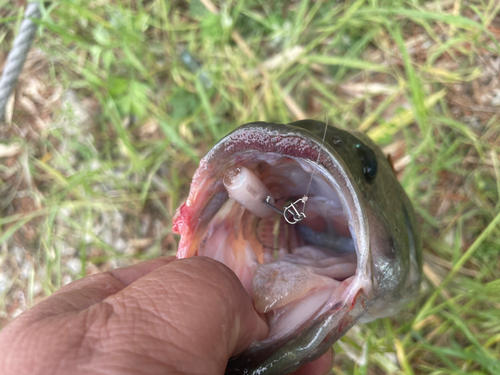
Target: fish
<point x="350" y="253"/>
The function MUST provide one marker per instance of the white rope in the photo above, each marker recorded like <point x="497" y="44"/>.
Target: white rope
<point x="17" y="55"/>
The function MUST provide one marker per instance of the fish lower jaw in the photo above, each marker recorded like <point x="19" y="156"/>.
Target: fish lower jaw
<point x="303" y="295"/>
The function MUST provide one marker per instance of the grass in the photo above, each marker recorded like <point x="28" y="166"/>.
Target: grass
<point x="120" y="99"/>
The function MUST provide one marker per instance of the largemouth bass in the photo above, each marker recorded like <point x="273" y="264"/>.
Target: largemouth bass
<point x="313" y="221"/>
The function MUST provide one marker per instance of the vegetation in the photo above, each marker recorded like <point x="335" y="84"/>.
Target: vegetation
<point x="119" y="100"/>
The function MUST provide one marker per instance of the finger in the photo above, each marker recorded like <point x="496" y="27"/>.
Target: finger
<point x="191" y="316"/>
<point x="54" y="332"/>
<point x="130" y="274"/>
<point x="321" y="366"/>
<point x="85" y="292"/>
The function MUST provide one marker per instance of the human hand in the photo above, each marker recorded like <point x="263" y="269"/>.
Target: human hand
<point x="158" y="317"/>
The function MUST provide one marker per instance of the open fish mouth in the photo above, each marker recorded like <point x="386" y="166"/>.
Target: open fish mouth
<point x="307" y="270"/>
<point x="290" y="271"/>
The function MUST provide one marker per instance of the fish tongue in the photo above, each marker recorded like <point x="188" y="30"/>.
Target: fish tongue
<point x="278" y="283"/>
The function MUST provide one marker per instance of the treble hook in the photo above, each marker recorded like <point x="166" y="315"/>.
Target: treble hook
<point x="291" y="214"/>
<point x="292" y="209"/>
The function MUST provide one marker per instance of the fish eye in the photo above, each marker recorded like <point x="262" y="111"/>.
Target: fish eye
<point x="368" y="162"/>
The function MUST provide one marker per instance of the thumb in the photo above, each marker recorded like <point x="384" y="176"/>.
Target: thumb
<point x="187" y="317"/>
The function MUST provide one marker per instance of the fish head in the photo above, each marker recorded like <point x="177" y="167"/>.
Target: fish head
<point x="354" y="256"/>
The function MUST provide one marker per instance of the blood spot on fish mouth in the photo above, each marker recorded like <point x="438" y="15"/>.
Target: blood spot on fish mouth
<point x="355" y="300"/>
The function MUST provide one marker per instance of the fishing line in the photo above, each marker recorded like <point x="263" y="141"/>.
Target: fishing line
<point x="317" y="159"/>
<point x="291" y="213"/>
